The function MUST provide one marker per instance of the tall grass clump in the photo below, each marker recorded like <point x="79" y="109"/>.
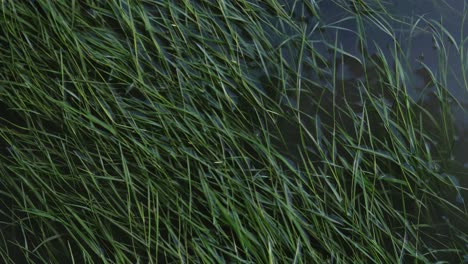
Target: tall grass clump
<point x="228" y="131"/>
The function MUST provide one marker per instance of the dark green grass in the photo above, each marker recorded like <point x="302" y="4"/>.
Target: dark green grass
<point x="221" y="131"/>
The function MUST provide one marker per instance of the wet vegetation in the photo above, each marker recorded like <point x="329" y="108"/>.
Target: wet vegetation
<point x="233" y="131"/>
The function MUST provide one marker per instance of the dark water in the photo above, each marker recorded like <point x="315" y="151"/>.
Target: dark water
<point x="434" y="46"/>
<point x="423" y="49"/>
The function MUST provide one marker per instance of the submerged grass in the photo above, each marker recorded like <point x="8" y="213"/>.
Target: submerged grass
<point x="219" y="131"/>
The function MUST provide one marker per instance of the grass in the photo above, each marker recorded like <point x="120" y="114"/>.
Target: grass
<point x="219" y="131"/>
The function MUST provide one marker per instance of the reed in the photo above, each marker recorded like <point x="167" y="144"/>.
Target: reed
<point x="227" y="131"/>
